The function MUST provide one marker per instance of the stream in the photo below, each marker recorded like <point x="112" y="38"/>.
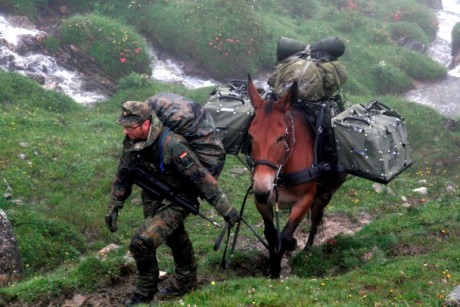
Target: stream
<point x="443" y="95"/>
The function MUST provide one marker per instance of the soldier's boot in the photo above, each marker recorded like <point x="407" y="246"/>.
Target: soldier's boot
<point x="185" y="265"/>
<point x="147" y="280"/>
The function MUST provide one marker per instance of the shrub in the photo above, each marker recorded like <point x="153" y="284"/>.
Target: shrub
<point x="421" y="67"/>
<point x="389" y="79"/>
<point x="52" y="44"/>
<point x="405" y="31"/>
<point x="456" y="38"/>
<point x="209" y="33"/>
<point x="118" y="48"/>
<point x="134" y="80"/>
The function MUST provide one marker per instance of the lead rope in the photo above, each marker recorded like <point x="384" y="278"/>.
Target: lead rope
<point x="288" y="151"/>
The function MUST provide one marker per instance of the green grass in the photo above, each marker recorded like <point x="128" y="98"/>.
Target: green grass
<point x="64" y="181"/>
<point x="60" y="157"/>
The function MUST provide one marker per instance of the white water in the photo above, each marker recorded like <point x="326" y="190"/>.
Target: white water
<point x="168" y="70"/>
<point x="56" y="77"/>
<point x="444" y="95"/>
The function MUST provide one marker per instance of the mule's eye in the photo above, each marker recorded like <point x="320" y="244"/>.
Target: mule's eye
<point x="281" y="139"/>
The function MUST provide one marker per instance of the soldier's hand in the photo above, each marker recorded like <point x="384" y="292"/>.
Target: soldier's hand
<point x="232" y="217"/>
<point x="112" y="214"/>
<point x="111" y="219"/>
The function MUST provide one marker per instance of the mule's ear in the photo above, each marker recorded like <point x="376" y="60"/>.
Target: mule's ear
<point x="293" y="91"/>
<point x="254" y="96"/>
<point x="289" y="98"/>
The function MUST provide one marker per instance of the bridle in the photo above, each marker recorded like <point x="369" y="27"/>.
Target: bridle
<point x="288" y="145"/>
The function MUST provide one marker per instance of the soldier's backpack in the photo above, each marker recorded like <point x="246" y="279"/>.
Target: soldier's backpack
<point x="231" y="109"/>
<point x="317" y="80"/>
<point x="316" y="69"/>
<point x="371" y="141"/>
<point x="191" y="120"/>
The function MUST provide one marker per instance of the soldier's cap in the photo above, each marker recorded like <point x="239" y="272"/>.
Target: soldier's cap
<point x="134" y="112"/>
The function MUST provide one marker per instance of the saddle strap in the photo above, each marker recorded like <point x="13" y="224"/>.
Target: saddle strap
<point x="307" y="174"/>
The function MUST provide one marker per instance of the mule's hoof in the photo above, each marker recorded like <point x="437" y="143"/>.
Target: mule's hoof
<point x="291" y="245"/>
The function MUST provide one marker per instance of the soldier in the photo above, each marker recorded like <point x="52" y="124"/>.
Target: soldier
<point x="150" y="146"/>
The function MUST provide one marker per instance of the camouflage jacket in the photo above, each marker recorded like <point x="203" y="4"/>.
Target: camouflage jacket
<point x="182" y="170"/>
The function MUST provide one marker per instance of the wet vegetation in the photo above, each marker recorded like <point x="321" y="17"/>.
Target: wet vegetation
<point x="59" y="159"/>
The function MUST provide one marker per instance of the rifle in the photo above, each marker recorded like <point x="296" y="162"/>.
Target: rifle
<point x="160" y="190"/>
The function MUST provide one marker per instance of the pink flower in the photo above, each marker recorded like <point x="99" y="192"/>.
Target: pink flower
<point x="137" y="50"/>
<point x="122" y="60"/>
<point x="352" y="5"/>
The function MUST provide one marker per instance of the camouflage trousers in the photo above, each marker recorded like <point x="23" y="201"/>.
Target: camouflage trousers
<point x="167" y="224"/>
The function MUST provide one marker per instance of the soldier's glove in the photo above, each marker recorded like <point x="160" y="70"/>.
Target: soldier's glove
<point x="232" y="217"/>
<point x="112" y="215"/>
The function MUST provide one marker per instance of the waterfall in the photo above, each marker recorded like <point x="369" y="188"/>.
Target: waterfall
<point x="443" y="95"/>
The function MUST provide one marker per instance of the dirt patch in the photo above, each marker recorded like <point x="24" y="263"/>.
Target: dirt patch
<point x="252" y="262"/>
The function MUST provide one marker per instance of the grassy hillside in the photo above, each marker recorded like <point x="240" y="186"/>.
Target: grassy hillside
<point x="59" y="159"/>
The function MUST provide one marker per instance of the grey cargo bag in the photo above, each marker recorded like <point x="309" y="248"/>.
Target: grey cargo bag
<point x="371" y="142"/>
<point x="231" y="109"/>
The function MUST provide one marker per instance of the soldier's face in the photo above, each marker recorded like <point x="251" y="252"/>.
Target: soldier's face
<point x="138" y="132"/>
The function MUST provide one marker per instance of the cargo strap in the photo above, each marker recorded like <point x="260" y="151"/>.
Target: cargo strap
<point x="162" y="139"/>
<point x="307" y="174"/>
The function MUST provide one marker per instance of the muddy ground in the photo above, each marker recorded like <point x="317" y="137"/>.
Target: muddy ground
<point x="115" y="294"/>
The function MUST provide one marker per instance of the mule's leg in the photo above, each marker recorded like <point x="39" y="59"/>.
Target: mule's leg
<point x="272" y="239"/>
<point x="316" y="213"/>
<point x="326" y="189"/>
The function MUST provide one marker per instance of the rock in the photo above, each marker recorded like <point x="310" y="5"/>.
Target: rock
<point x="421" y="190"/>
<point x="435" y="4"/>
<point x="450" y="189"/>
<point x="37" y="77"/>
<point x="21" y="22"/>
<point x="377" y="187"/>
<point x="451" y="124"/>
<point x="28" y="44"/>
<point x="453" y="299"/>
<point x="10" y="255"/>
<point x="106" y="250"/>
<point x="63" y="9"/>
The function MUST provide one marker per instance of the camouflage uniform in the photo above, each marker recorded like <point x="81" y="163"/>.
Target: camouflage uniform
<point x="168" y="157"/>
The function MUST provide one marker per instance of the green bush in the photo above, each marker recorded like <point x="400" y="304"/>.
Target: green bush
<point x="134" y="80"/>
<point x="456" y="38"/>
<point x="389" y="79"/>
<point x="52" y="44"/>
<point x="420" y="67"/>
<point x="117" y="47"/>
<point x="406" y="31"/>
<point x="210" y="33"/>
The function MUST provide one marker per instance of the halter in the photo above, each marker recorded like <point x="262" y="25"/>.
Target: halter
<point x="288" y="144"/>
<point x="287" y="155"/>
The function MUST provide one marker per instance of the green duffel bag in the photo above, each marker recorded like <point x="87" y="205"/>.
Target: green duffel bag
<point x="371" y="142"/>
<point x="232" y="111"/>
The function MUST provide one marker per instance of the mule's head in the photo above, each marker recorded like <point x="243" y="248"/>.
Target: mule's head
<point x="269" y="138"/>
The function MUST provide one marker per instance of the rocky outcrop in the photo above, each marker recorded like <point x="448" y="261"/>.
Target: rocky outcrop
<point x="10" y="256"/>
<point x="72" y="57"/>
<point x="435" y="4"/>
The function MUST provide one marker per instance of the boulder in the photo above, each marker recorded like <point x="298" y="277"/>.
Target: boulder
<point x="10" y="255"/>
